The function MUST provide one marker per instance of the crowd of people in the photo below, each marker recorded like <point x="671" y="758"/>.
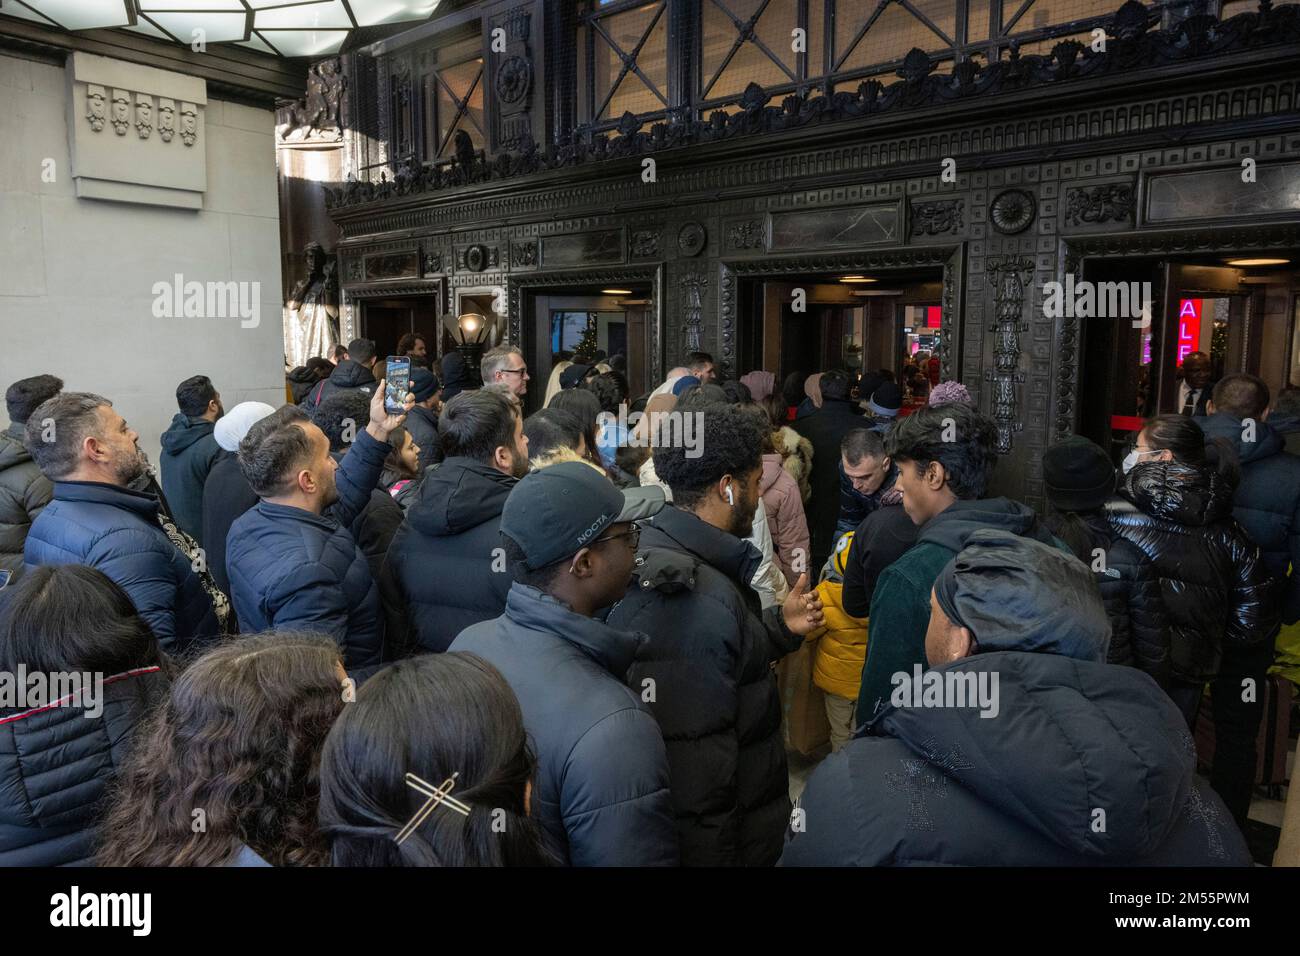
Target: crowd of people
<point x="332" y="633"/>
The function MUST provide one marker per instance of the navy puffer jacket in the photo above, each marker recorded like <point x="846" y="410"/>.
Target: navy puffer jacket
<point x="602" y="776"/>
<point x="116" y="531"/>
<point x="1267" y="502"/>
<point x="57" y="763"/>
<point x="708" y="660"/>
<point x="446" y="569"/>
<point x="1083" y="764"/>
<point x="291" y="569"/>
<point x="1216" y="589"/>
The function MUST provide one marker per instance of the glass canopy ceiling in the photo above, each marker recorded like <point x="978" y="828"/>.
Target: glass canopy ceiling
<point x="281" y="27"/>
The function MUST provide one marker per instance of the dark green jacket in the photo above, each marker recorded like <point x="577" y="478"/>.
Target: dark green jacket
<point x="188" y="453"/>
<point x="900" y="606"/>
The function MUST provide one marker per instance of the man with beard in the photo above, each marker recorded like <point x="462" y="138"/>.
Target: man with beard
<point x="90" y="453"/>
<point x="446" y="568"/>
<point x="292" y="560"/>
<point x="706" y="669"/>
<point x="189" y="451"/>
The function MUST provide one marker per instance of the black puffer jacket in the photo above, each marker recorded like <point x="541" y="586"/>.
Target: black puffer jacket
<point x="1130" y="589"/>
<point x="825" y="429"/>
<point x="714" y="694"/>
<point x="55" y="765"/>
<point x="346" y="376"/>
<point x="24" y="491"/>
<point x="446" y="569"/>
<point x="1215" y="587"/>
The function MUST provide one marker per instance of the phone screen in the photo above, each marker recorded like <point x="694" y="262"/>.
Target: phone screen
<point x="398" y="383"/>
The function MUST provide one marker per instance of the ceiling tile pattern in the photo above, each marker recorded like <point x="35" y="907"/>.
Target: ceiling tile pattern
<point x="283" y="27"/>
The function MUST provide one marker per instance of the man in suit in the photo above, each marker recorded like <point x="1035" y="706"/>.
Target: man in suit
<point x="1195" y="386"/>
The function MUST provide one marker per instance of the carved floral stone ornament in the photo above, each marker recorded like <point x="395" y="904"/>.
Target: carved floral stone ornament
<point x="937" y="217"/>
<point x="525" y="253"/>
<point x="143" y="115"/>
<point x="189" y="123"/>
<point x="166" y="119"/>
<point x="96" y="106"/>
<point x="746" y="235"/>
<point x="121" y="114"/>
<point x="691" y="238"/>
<point x="1112" y="202"/>
<point x="1012" y="211"/>
<point x="514" y="79"/>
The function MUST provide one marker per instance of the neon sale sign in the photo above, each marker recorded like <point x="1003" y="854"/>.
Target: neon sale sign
<point x="1189" y="327"/>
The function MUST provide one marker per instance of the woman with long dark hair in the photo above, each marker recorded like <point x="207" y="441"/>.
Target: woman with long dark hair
<point x="1078" y="480"/>
<point x="437" y="717"/>
<point x="585" y="407"/>
<point x="59" y="752"/>
<point x="227" y="772"/>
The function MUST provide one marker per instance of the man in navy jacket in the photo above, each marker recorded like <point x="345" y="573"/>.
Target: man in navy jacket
<point x="90" y="453"/>
<point x="291" y="560"/>
<point x="601" y="789"/>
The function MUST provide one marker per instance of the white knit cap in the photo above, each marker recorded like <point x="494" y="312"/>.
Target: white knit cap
<point x="234" y="425"/>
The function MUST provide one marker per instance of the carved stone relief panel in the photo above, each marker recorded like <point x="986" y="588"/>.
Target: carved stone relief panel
<point x="1102" y="204"/>
<point x="136" y="102"/>
<point x="511" y="74"/>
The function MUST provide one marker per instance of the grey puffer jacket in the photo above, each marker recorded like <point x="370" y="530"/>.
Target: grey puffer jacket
<point x="24" y="491"/>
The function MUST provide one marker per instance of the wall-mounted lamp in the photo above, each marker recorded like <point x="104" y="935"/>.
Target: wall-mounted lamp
<point x="471" y="332"/>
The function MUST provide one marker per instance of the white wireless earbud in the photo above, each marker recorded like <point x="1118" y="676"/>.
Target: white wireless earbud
<point x="731" y="498"/>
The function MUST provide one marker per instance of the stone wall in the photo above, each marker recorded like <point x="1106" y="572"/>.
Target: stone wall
<point x="78" y="275"/>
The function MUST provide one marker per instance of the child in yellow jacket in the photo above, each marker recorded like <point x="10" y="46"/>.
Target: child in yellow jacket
<point x="841" y="648"/>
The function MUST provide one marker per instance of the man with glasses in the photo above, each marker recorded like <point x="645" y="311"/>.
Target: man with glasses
<point x="601" y="789"/>
<point x="505" y="365"/>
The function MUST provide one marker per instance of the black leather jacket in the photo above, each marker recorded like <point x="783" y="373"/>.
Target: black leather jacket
<point x="1216" y="590"/>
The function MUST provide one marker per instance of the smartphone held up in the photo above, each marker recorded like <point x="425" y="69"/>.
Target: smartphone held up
<point x="398" y="383"/>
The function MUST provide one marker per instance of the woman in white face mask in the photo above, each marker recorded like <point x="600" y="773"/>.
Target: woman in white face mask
<point x="1175" y="504"/>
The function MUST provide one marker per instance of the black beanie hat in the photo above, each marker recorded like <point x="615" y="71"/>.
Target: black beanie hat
<point x="1077" y="475"/>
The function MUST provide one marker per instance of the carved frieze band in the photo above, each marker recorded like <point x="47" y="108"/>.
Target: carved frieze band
<point x="126" y="109"/>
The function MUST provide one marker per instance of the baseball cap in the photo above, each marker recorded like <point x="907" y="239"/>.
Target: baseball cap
<point x="572" y="376"/>
<point x="557" y="511"/>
